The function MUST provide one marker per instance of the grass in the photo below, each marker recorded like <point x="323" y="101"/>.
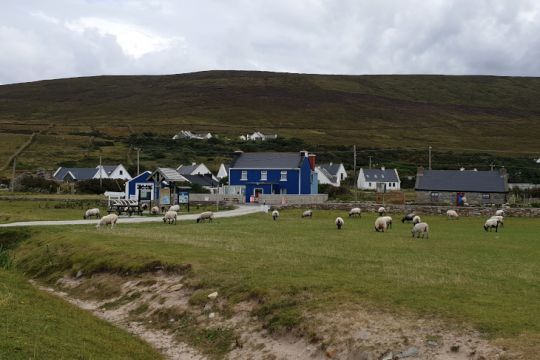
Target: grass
<point x="488" y="280"/>
<point x="36" y="325"/>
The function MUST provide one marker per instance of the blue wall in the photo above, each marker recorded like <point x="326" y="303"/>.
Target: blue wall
<point x="132" y="184"/>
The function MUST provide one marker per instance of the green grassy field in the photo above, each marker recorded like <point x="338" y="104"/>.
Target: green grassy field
<point x="36" y="325"/>
<point x="461" y="273"/>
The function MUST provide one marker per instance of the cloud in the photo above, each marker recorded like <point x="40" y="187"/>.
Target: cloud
<point x="81" y="37"/>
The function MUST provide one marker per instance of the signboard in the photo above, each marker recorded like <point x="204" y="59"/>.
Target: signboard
<point x="165" y="196"/>
<point x="183" y="197"/>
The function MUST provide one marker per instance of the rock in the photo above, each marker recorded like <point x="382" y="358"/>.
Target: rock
<point x="207" y="307"/>
<point x="454" y="348"/>
<point x="388" y="355"/>
<point x="213" y="295"/>
<point x="211" y="315"/>
<point x="432" y="344"/>
<point x="363" y="334"/>
<point x="358" y="354"/>
<point x="176" y="287"/>
<point x="331" y="353"/>
<point x="79" y="274"/>
<point x="412" y="351"/>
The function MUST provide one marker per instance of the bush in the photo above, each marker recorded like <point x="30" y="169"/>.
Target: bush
<point x="93" y="187"/>
<point x="32" y="183"/>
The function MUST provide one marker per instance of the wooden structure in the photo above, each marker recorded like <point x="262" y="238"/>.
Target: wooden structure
<point x="167" y="184"/>
<point x="125" y="206"/>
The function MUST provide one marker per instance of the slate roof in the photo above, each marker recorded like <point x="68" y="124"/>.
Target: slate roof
<point x="78" y="173"/>
<point x="267" y="160"/>
<point x="331" y="168"/>
<point x="379" y="175"/>
<point x="203" y="180"/>
<point x="170" y="174"/>
<point x="108" y="168"/>
<point x="466" y="180"/>
<point x="186" y="169"/>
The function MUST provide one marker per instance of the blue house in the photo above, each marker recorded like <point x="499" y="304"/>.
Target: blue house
<point x="132" y="191"/>
<point x="274" y="173"/>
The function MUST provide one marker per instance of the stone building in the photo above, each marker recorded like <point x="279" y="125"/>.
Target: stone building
<point x="461" y="187"/>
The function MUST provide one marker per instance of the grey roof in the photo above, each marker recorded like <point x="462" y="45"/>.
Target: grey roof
<point x="186" y="169"/>
<point x="203" y="180"/>
<point x="331" y="168"/>
<point x="466" y="180"/>
<point x="78" y="173"/>
<point x="169" y="174"/>
<point x="267" y="160"/>
<point x="379" y="175"/>
<point x="108" y="168"/>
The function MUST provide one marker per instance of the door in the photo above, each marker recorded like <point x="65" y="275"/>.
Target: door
<point x="257" y="192"/>
<point x="459" y="199"/>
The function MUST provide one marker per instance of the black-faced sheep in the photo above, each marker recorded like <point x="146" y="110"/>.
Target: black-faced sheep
<point x="154" y="210"/>
<point x="275" y="215"/>
<point x="339" y="222"/>
<point x="170" y="217"/>
<point x="110" y="219"/>
<point x="91" y="212"/>
<point x="207" y="215"/>
<point x="420" y="228"/>
<point x="380" y="224"/>
<point x="491" y="224"/>
<point x="381" y="211"/>
<point x="408" y="218"/>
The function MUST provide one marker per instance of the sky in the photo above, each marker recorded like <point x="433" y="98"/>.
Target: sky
<point x="68" y="38"/>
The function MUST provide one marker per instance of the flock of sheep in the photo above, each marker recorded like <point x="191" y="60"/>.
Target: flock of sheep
<point x="384" y="222"/>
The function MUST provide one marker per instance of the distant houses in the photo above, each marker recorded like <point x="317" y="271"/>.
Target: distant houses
<point x="223" y="171"/>
<point x="258" y="136"/>
<point x="68" y="174"/>
<point x="331" y="174"/>
<point x="186" y="134"/>
<point x="381" y="179"/>
<point x="461" y="187"/>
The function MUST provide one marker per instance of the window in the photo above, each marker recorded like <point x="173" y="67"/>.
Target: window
<point x="435" y="196"/>
<point x="244" y="175"/>
<point x="264" y="175"/>
<point x="486" y="196"/>
<point x="283" y="175"/>
<point x="121" y="172"/>
<point x="369" y="184"/>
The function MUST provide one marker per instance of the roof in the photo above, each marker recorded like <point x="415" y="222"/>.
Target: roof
<point x="141" y="177"/>
<point x="267" y="160"/>
<point x="330" y="168"/>
<point x="108" y="168"/>
<point x="187" y="169"/>
<point x="466" y="180"/>
<point x="78" y="173"/>
<point x="380" y="175"/>
<point x="169" y="175"/>
<point x="203" y="180"/>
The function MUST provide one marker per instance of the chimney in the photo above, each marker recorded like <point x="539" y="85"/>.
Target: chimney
<point x="193" y="163"/>
<point x="382" y="168"/>
<point x="420" y="171"/>
<point x="503" y="171"/>
<point x="312" y="158"/>
<point x="304" y="153"/>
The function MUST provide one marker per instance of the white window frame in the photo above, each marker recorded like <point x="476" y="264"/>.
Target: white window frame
<point x="244" y="175"/>
<point x="264" y="175"/>
<point x="283" y="175"/>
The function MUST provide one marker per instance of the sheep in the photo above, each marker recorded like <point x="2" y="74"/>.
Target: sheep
<point x="381" y="211"/>
<point x="420" y="228"/>
<point x="91" y="212"/>
<point x="490" y="224"/>
<point x="388" y="220"/>
<point x="416" y="220"/>
<point x="499" y="212"/>
<point x="339" y="222"/>
<point x="207" y="215"/>
<point x="381" y="224"/>
<point x="499" y="218"/>
<point x="275" y="215"/>
<point x="110" y="219"/>
<point x="144" y="206"/>
<point x="154" y="210"/>
<point x="175" y="208"/>
<point x="409" y="217"/>
<point x="170" y="217"/>
<point x="307" y="213"/>
<point x="452" y="214"/>
<point x="355" y="212"/>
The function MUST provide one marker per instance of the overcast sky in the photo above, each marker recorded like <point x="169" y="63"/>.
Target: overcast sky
<point x="64" y="38"/>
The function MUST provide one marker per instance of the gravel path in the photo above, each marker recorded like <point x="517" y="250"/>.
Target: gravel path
<point x="239" y="211"/>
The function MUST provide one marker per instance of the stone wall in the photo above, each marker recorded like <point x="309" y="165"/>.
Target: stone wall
<point x="263" y="199"/>
<point x="449" y="198"/>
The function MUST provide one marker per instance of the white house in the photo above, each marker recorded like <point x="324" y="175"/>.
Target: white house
<point x="186" y="134"/>
<point x="257" y="135"/>
<point x="332" y="174"/>
<point x="195" y="169"/>
<point x="223" y="171"/>
<point x="116" y="172"/>
<point x="98" y="172"/>
<point x="378" y="179"/>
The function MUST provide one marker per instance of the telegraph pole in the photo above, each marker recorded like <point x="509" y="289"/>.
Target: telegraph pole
<point x="13" y="174"/>
<point x="100" y="174"/>
<point x="370" y="161"/>
<point x="354" y="174"/>
<point x="430" y="157"/>
<point x="138" y="170"/>
<point x="492" y="165"/>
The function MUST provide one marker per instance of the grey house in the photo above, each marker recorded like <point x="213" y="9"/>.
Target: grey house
<point x="461" y="187"/>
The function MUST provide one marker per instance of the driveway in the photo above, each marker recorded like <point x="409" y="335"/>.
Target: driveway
<point x="239" y="211"/>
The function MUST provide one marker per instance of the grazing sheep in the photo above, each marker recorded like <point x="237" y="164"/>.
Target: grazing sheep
<point x="175" y="208"/>
<point x="420" y="228"/>
<point x="491" y="224"/>
<point x="355" y="212"/>
<point x="381" y="211"/>
<point x="499" y="218"/>
<point x="170" y="217"/>
<point x="339" y="222"/>
<point x="452" y="214"/>
<point x="91" y="212"/>
<point x="416" y="220"/>
<point x="388" y="220"/>
<point x="207" y="215"/>
<point x="499" y="212"/>
<point x="408" y="218"/>
<point x="144" y="206"/>
<point x="154" y="210"/>
<point x="381" y="224"/>
<point x="110" y="219"/>
<point x="307" y="213"/>
<point x="275" y="215"/>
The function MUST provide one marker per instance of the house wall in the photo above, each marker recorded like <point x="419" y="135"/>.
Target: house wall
<point x="450" y="198"/>
<point x="124" y="175"/>
<point x="305" y="177"/>
<point x="273" y="183"/>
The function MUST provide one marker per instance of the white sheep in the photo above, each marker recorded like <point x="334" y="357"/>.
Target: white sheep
<point x="170" y="217"/>
<point x="144" y="206"/>
<point x="409" y="217"/>
<point x="307" y="213"/>
<point x="416" y="220"/>
<point x="380" y="224"/>
<point x="499" y="212"/>
<point x="499" y="218"/>
<point x="381" y="211"/>
<point x="491" y="224"/>
<point x="355" y="212"/>
<point x="339" y="222"/>
<point x="275" y="215"/>
<point x="452" y="214"/>
<point x="154" y="210"/>
<point x="175" y="208"/>
<point x="110" y="219"/>
<point x="207" y="215"/>
<point x="92" y="212"/>
<point x="420" y="228"/>
<point x="388" y="220"/>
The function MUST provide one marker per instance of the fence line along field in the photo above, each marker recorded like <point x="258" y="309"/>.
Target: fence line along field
<point x="295" y="267"/>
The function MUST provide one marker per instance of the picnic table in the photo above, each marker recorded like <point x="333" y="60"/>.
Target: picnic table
<point x="125" y="206"/>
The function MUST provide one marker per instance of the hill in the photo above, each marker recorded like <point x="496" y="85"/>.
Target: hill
<point x="95" y="115"/>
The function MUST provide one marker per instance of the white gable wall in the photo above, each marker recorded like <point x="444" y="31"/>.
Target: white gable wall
<point x="120" y="173"/>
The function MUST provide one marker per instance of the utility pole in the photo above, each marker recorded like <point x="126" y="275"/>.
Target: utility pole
<point x="138" y="169"/>
<point x="429" y="157"/>
<point x="100" y="172"/>
<point x="13" y="174"/>
<point x="354" y="174"/>
<point x="492" y="165"/>
<point x="370" y="161"/>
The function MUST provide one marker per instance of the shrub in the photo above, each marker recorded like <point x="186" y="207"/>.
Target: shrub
<point x="93" y="186"/>
<point x="33" y="183"/>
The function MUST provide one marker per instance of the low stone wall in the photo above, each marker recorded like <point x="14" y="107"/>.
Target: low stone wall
<point x="418" y="209"/>
<point x="238" y="199"/>
<point x="263" y="199"/>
